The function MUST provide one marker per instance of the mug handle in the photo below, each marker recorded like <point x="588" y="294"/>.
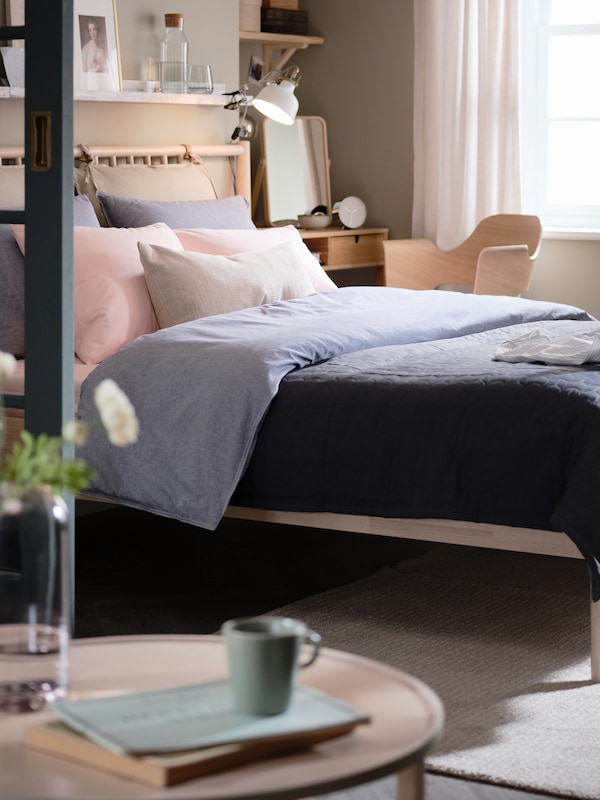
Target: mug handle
<point x="314" y="639"/>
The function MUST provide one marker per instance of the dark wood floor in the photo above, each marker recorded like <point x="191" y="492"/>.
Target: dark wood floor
<point x="137" y="573"/>
<point x="141" y="574"/>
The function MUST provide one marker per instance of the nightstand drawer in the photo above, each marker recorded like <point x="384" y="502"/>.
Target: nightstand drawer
<point x="342" y="248"/>
<point x="355" y="249"/>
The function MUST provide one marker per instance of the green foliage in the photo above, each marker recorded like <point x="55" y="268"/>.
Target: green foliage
<point x="38" y="461"/>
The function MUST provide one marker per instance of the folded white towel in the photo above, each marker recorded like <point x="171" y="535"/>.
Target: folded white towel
<point x="567" y="350"/>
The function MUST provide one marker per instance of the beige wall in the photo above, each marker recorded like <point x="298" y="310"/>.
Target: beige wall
<point x="147" y="124"/>
<point x="568" y="272"/>
<point x="212" y="30"/>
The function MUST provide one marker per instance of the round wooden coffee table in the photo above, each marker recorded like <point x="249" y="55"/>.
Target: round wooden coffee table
<point x="406" y="719"/>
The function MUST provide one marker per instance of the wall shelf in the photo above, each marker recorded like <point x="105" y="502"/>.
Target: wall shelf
<point x="134" y="93"/>
<point x="286" y="43"/>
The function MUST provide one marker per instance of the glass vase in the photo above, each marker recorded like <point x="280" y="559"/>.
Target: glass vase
<point x="34" y="598"/>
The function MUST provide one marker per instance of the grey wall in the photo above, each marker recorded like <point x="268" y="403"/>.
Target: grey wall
<point x="360" y="81"/>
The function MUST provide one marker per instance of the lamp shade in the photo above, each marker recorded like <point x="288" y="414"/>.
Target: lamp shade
<point x="278" y="101"/>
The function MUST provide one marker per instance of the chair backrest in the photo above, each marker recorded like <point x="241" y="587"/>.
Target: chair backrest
<point x="420" y="264"/>
<point x="499" y="230"/>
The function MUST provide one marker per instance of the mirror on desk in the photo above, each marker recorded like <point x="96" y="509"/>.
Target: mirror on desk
<point x="294" y="169"/>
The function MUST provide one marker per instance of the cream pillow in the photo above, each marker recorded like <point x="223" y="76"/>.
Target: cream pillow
<point x="228" y="242"/>
<point x="144" y="182"/>
<point x="112" y="304"/>
<point x="185" y="286"/>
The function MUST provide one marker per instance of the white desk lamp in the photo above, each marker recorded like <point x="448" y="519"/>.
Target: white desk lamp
<point x="275" y="99"/>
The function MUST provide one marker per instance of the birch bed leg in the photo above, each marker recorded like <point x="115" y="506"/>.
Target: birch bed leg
<point x="595" y="640"/>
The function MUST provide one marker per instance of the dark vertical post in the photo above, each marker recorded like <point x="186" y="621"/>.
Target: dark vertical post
<point x="49" y="338"/>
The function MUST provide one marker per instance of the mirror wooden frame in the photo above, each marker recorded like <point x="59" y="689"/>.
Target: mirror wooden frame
<point x="293" y="171"/>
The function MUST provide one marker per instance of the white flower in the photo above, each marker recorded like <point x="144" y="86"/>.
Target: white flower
<point x="8" y="364"/>
<point x="117" y="413"/>
<point x="75" y="432"/>
<point x="38" y="460"/>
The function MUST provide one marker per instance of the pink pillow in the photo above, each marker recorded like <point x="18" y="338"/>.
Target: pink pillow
<point x="226" y="242"/>
<point x="112" y="303"/>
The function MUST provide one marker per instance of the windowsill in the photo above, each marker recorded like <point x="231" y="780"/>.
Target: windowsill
<point x="592" y="234"/>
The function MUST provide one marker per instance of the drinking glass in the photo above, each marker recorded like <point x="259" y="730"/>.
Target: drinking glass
<point x="200" y="79"/>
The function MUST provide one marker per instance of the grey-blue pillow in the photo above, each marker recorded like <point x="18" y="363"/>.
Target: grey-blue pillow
<point x="84" y="215"/>
<point x="12" y="279"/>
<point x="226" y="212"/>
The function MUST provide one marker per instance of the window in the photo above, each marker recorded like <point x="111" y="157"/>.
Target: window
<point x="560" y="112"/>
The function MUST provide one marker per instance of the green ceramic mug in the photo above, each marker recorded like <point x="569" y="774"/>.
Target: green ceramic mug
<point x="264" y="657"/>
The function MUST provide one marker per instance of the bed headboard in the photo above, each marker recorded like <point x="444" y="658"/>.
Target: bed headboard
<point x="228" y="164"/>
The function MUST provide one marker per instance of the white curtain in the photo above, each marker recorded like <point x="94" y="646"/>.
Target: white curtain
<point x="466" y="116"/>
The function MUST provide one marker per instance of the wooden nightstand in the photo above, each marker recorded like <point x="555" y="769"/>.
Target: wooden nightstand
<point x="344" y="248"/>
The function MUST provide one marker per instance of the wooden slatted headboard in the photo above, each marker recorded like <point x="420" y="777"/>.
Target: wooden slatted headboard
<point x="11" y="156"/>
<point x="228" y="164"/>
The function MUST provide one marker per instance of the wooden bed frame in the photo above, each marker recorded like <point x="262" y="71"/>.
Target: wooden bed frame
<point x="444" y="531"/>
<point x="498" y="537"/>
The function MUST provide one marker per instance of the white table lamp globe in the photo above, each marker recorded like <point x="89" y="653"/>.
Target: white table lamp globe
<point x="352" y="212"/>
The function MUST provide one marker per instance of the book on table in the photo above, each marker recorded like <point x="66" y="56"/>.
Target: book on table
<point x="168" y="736"/>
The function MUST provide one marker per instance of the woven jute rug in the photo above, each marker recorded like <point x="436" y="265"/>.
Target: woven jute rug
<point x="503" y="638"/>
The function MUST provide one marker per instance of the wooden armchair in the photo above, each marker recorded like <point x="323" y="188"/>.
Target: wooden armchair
<point x="497" y="258"/>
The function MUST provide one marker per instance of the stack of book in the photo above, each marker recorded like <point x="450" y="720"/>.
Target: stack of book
<point x="283" y="16"/>
<point x="172" y="735"/>
<point x="292" y="5"/>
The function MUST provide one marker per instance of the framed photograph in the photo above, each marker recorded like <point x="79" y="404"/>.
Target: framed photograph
<point x="96" y="60"/>
<point x="255" y="70"/>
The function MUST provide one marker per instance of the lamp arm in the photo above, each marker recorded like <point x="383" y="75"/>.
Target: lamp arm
<point x="242" y="95"/>
<point x="291" y="74"/>
<point x="273" y="99"/>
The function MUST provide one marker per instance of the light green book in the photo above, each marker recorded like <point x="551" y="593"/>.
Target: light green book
<point x="197" y="716"/>
<point x="165" y="769"/>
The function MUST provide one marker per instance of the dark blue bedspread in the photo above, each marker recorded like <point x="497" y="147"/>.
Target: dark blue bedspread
<point x="439" y="430"/>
